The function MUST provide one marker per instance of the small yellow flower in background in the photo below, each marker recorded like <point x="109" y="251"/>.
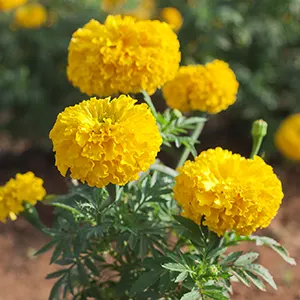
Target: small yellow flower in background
<point x="173" y="17"/>
<point x="287" y="137"/>
<point x="123" y="55"/>
<point x="210" y="88"/>
<point x="230" y="191"/>
<point x="24" y="188"/>
<point x="32" y="15"/>
<point x="103" y="141"/>
<point x="6" y="5"/>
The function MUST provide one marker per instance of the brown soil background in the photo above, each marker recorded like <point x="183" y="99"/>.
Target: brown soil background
<point x="23" y="275"/>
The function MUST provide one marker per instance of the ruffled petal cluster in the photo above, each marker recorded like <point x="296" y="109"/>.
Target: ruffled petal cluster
<point x="32" y="15"/>
<point x="173" y="17"/>
<point x="6" y="5"/>
<point x="104" y="141"/>
<point x="24" y="188"/>
<point x="287" y="137"/>
<point x="123" y="55"/>
<point x="210" y="88"/>
<point x="229" y="191"/>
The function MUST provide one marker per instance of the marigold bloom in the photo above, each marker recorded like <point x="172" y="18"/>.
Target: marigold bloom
<point x="230" y="191"/>
<point x="103" y="141"/>
<point x="32" y="15"/>
<point x="210" y="88"/>
<point x="123" y="55"/>
<point x="24" y="188"/>
<point x="6" y="5"/>
<point x="173" y="17"/>
<point x="287" y="137"/>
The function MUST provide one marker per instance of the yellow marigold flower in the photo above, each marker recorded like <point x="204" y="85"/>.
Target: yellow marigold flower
<point x="230" y="191"/>
<point x="210" y="88"/>
<point x="103" y="141"/>
<point x="24" y="188"/>
<point x="32" y="15"/>
<point x="122" y="55"/>
<point x="6" y="5"/>
<point x="287" y="137"/>
<point x="173" y="17"/>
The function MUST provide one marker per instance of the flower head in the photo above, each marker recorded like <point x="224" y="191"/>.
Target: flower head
<point x="24" y="188"/>
<point x="10" y="4"/>
<point x="173" y="17"/>
<point x="32" y="15"/>
<point x="123" y="55"/>
<point x="210" y="88"/>
<point x="287" y="137"/>
<point x="229" y="191"/>
<point x="103" y="141"/>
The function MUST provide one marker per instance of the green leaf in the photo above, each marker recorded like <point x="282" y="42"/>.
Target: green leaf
<point x="57" y="251"/>
<point x="175" y="267"/>
<point x="232" y="257"/>
<point x="256" y="281"/>
<point x="241" y="276"/>
<point x="182" y="276"/>
<point x="46" y="247"/>
<point x="145" y="281"/>
<point x="215" y="294"/>
<point x="187" y="223"/>
<point x="284" y="254"/>
<point x="132" y="241"/>
<point x="91" y="266"/>
<point x="57" y="274"/>
<point x="193" y="295"/>
<point x="246" y="259"/>
<point x="54" y="294"/>
<point x="264" y="273"/>
<point x="83" y="276"/>
<point x="164" y="282"/>
<point x="143" y="247"/>
<point x="275" y="246"/>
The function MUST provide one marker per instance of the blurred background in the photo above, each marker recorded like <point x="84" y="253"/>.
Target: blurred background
<point x="260" y="39"/>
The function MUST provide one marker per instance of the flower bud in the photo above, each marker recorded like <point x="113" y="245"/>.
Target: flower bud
<point x="259" y="128"/>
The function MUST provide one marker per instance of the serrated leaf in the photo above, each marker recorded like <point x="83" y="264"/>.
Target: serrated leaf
<point x="57" y="274"/>
<point x="246" y="259"/>
<point x="175" y="267"/>
<point x="284" y="254"/>
<point x="193" y="295"/>
<point x="145" y="281"/>
<point x="215" y="294"/>
<point x="256" y="281"/>
<point x="232" y="257"/>
<point x="188" y="224"/>
<point x="46" y="247"/>
<point x="91" y="266"/>
<point x="83" y="276"/>
<point x="264" y="273"/>
<point x="182" y="276"/>
<point x="241" y="277"/>
<point x="57" y="252"/>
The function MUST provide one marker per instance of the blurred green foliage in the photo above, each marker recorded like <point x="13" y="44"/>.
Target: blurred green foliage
<point x="259" y="39"/>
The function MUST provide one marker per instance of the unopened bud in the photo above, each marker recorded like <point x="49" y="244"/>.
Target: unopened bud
<point x="259" y="128"/>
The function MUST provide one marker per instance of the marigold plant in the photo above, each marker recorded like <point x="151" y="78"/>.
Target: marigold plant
<point x="123" y="55"/>
<point x="24" y="188"/>
<point x="287" y="137"/>
<point x="6" y="5"/>
<point x="105" y="141"/>
<point x="229" y="191"/>
<point x="32" y="15"/>
<point x="210" y="88"/>
<point x="173" y="17"/>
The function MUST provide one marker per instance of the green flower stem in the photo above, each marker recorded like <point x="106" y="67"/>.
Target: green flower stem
<point x="148" y="100"/>
<point x="259" y="131"/>
<point x="164" y="169"/>
<point x="68" y="208"/>
<point x="194" y="137"/>
<point x="111" y="189"/>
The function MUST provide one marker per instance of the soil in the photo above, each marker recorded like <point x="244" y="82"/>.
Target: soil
<point x="23" y="275"/>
